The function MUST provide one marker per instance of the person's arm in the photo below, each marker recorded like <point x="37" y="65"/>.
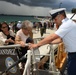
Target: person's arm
<point x="19" y="41"/>
<point x="56" y="41"/>
<point x="12" y="37"/>
<point x="9" y="40"/>
<point x="4" y="39"/>
<point x="46" y="40"/>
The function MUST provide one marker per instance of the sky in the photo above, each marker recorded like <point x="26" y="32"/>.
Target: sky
<point x="34" y="7"/>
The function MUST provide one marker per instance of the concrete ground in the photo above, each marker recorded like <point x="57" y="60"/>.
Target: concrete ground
<point x="45" y="48"/>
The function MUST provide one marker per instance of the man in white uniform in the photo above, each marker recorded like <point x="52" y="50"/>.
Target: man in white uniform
<point x="66" y="33"/>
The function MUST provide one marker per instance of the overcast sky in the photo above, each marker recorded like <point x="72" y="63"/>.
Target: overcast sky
<point x="34" y="7"/>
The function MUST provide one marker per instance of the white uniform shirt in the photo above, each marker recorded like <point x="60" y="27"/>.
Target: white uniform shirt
<point x="67" y="31"/>
<point x="22" y="35"/>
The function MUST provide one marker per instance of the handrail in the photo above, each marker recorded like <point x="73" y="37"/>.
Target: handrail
<point x="28" y="62"/>
<point x="12" y="46"/>
<point x="29" y="54"/>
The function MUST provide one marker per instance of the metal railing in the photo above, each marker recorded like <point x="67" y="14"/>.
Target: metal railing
<point x="31" y="53"/>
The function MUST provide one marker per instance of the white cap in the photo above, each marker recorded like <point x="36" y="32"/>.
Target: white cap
<point x="55" y="12"/>
<point x="19" y="21"/>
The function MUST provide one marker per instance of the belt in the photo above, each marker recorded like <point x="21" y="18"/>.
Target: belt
<point x="71" y="52"/>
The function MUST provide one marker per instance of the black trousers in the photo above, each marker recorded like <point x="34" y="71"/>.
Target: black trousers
<point x="71" y="63"/>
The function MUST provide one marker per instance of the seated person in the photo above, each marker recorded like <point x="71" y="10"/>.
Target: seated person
<point x="7" y="36"/>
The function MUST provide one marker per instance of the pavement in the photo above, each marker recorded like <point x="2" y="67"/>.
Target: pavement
<point x="45" y="48"/>
<point x="36" y="33"/>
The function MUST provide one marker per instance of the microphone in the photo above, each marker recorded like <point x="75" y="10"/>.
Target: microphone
<point x="22" y="58"/>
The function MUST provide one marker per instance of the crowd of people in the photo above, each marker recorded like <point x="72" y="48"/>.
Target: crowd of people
<point x="21" y="33"/>
<point x="21" y="36"/>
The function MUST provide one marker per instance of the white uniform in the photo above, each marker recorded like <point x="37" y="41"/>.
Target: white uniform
<point x="67" y="31"/>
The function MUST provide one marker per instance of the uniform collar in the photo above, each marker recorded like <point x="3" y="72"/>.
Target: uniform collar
<point x="64" y="20"/>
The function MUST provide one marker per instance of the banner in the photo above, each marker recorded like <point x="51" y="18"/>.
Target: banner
<point x="8" y="57"/>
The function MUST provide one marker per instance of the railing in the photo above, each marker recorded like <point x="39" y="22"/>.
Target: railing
<point x="52" y="68"/>
<point x="35" y="59"/>
<point x="10" y="46"/>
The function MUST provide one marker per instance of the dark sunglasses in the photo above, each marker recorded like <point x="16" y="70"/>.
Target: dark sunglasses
<point x="5" y="27"/>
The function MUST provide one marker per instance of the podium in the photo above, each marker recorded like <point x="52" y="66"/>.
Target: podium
<point x="8" y="57"/>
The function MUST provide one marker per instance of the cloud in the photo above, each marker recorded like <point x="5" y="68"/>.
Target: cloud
<point x="42" y="3"/>
<point x="8" y="8"/>
<point x="68" y="4"/>
<point x="34" y="7"/>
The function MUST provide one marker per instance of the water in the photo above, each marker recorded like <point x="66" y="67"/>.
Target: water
<point x="10" y="18"/>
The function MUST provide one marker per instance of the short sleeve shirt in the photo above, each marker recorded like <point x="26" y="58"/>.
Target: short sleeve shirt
<point x="67" y="31"/>
<point x="22" y="35"/>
